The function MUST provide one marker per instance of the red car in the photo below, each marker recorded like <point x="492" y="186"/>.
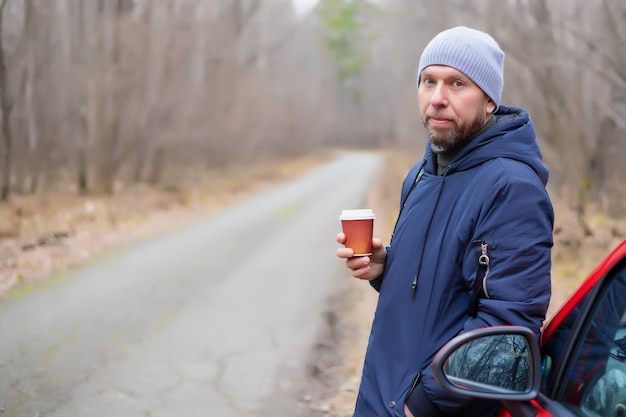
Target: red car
<point x="577" y="368"/>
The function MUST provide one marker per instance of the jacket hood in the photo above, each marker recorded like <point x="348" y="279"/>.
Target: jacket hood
<point x="513" y="137"/>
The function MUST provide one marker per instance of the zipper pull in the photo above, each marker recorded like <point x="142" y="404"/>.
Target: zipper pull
<point x="483" y="259"/>
<point x="414" y="286"/>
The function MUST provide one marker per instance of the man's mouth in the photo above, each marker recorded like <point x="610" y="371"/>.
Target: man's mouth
<point x="439" y="121"/>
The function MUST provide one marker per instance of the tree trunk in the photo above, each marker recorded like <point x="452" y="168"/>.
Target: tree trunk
<point x="6" y="107"/>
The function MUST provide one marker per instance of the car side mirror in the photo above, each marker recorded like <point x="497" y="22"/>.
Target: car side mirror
<point x="500" y="363"/>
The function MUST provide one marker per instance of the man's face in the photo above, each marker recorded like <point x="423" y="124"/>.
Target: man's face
<point x="452" y="106"/>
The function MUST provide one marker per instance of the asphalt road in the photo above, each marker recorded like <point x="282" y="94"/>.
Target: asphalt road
<point x="217" y="319"/>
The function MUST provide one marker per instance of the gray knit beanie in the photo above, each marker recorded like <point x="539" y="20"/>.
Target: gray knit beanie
<point x="474" y="53"/>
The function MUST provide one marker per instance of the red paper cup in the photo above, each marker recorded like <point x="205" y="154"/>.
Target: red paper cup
<point x="358" y="226"/>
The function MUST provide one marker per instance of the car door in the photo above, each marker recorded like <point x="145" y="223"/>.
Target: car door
<point x="583" y="349"/>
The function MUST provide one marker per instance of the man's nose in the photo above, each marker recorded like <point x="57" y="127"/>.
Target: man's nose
<point x="439" y="97"/>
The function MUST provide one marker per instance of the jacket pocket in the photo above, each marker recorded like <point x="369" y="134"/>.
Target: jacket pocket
<point x="416" y="381"/>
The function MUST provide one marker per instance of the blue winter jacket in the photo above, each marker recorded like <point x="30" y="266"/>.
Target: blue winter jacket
<point x="493" y="191"/>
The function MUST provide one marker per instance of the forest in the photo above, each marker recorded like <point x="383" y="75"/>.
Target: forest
<point x="98" y="95"/>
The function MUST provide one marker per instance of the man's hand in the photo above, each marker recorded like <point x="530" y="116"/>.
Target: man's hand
<point x="363" y="267"/>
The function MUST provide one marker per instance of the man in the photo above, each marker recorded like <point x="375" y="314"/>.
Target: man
<point x="474" y="209"/>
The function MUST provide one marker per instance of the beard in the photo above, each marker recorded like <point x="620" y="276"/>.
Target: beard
<point x="449" y="139"/>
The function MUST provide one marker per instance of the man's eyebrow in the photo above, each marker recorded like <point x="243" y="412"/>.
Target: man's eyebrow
<point x="448" y="77"/>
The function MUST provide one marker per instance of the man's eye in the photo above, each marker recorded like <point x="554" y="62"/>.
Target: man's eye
<point x="428" y="81"/>
<point x="459" y="84"/>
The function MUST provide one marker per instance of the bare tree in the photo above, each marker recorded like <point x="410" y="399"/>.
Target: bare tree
<point x="6" y="107"/>
<point x="105" y="94"/>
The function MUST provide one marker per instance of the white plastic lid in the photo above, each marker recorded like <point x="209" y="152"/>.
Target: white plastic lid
<point x="357" y="214"/>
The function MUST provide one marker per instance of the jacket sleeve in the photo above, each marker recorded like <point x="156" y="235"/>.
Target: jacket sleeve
<point x="420" y="404"/>
<point x="516" y="221"/>
<point x="517" y="226"/>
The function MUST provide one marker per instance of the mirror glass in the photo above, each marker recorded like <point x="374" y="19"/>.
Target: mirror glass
<point x="495" y="361"/>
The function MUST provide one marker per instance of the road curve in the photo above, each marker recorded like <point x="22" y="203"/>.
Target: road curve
<point x="216" y="319"/>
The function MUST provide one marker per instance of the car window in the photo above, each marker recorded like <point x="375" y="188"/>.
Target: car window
<point x="595" y="384"/>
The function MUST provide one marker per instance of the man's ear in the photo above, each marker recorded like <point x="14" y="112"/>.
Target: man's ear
<point x="491" y="106"/>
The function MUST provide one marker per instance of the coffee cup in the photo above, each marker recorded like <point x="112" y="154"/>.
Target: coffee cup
<point x="358" y="226"/>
